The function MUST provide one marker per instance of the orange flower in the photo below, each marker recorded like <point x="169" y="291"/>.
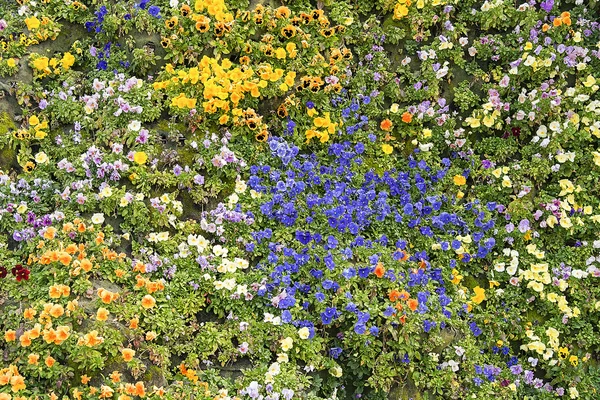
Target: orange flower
<point x="150" y="336"/>
<point x="91" y="339"/>
<point x="62" y="334"/>
<point x="386" y="125"/>
<point x="56" y="311"/>
<point x="127" y="354"/>
<point x="107" y="296"/>
<point x="404" y="295"/>
<point x="25" y="340"/>
<point x="85" y="379"/>
<point x="54" y="292"/>
<point x="10" y="335"/>
<point x="106" y="392"/>
<point x="148" y="301"/>
<point x="36" y="331"/>
<point x="379" y="270"/>
<point x="394" y="295"/>
<point x="64" y="258"/>
<point x="102" y="314"/>
<point x="49" y="361"/>
<point x="140" y="389"/>
<point x="403" y="319"/>
<point x="86" y="265"/>
<point x="71" y="249"/>
<point x="133" y="324"/>
<point x="557" y="22"/>
<point x="50" y="233"/>
<point x="33" y="359"/>
<point x="18" y="383"/>
<point x="413" y="304"/>
<point x="50" y="335"/>
<point x="115" y="377"/>
<point x="407" y="117"/>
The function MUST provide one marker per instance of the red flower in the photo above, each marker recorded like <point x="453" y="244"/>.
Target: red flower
<point x="3" y="272"/>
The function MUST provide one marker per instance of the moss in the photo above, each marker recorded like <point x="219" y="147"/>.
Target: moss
<point x="6" y="123"/>
<point x="154" y="376"/>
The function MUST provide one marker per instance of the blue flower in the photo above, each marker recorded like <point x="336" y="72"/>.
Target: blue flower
<point x="154" y="11"/>
<point x="335" y="352"/>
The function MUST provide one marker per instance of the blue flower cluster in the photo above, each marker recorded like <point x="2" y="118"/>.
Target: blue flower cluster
<point x="334" y="211"/>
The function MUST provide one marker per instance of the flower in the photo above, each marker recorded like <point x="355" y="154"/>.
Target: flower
<point x="304" y="333"/>
<point x="32" y="22"/>
<point x="379" y="270"/>
<point x="459" y="180"/>
<point x="154" y="11"/>
<point x="479" y="295"/>
<point x="67" y="61"/>
<point x="386" y="148"/>
<point x="98" y="218"/>
<point x="140" y="157"/>
<point x="386" y="125"/>
<point x="127" y="354"/>
<point x="287" y="343"/>
<point x="41" y="158"/>
<point x="407" y="117"/>
<point x="148" y="302"/>
<point x="102" y="314"/>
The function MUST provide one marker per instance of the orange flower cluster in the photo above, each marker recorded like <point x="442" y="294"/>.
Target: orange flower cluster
<point x="11" y="376"/>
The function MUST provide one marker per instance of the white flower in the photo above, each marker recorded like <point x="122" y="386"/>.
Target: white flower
<point x="41" y="158"/>
<point x="304" y="333"/>
<point x="274" y="369"/>
<point x="459" y="351"/>
<point x="134" y="125"/>
<point x="453" y="365"/>
<point x="98" y="218"/>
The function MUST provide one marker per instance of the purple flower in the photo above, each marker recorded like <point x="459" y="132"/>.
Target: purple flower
<point x="547" y="5"/>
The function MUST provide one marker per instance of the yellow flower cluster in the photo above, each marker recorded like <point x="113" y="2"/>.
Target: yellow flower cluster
<point x="216" y="8"/>
<point x="45" y="66"/>
<point x="223" y="86"/>
<point x="36" y="129"/>
<point x="322" y="126"/>
<point x="43" y="28"/>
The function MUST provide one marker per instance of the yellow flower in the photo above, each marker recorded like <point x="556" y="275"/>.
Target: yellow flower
<point x="456" y="277"/>
<point x="68" y="60"/>
<point x="387" y="149"/>
<point x="590" y="81"/>
<point x="11" y="62"/>
<point x="280" y="53"/>
<point x="41" y="63"/>
<point x="473" y="122"/>
<point x="32" y="22"/>
<point x="400" y="11"/>
<point x="459" y="180"/>
<point x="479" y="295"/>
<point x="140" y="157"/>
<point x="33" y="120"/>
